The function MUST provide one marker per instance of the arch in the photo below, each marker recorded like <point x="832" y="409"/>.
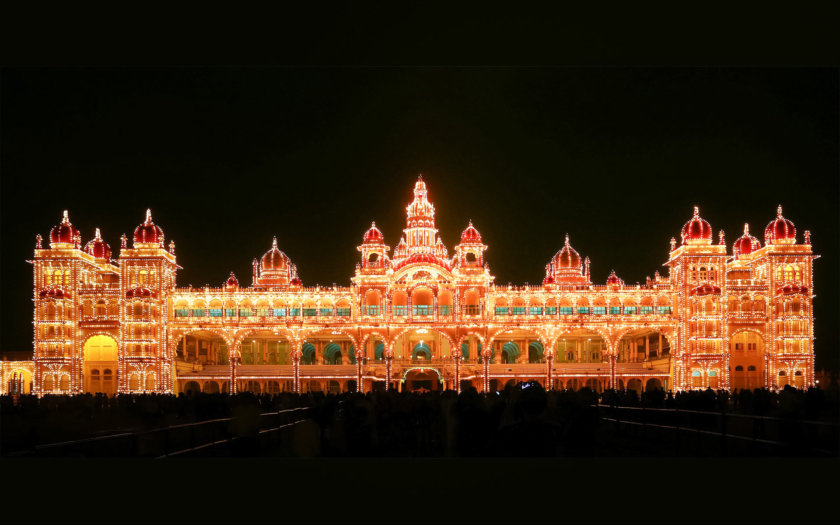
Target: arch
<point x="379" y="351"/>
<point x="536" y="352"/>
<point x="510" y="352"/>
<point x="134" y="382"/>
<point x="307" y="354"/>
<point x="653" y="384"/>
<point x="151" y="381"/>
<point x="332" y="354"/>
<point x="635" y="384"/>
<point x="421" y="348"/>
<point x="211" y="387"/>
<point x="746" y="350"/>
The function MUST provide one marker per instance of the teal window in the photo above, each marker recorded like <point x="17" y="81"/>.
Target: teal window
<point x="518" y="310"/>
<point x="182" y="312"/>
<point x="264" y="312"/>
<point x="294" y="312"/>
<point x="444" y="310"/>
<point x="215" y="312"/>
<point x="326" y="311"/>
<point x="599" y="310"/>
<point x="342" y="312"/>
<point x="279" y="312"/>
<point x="535" y="310"/>
<point x="230" y="312"/>
<point x="550" y="310"/>
<point x="583" y="309"/>
<point x="566" y="310"/>
<point x="310" y="312"/>
<point x="630" y="310"/>
<point x="244" y="312"/>
<point x="664" y="310"/>
<point x="400" y="310"/>
<point x="646" y="310"/>
<point x="373" y="310"/>
<point x="198" y="312"/>
<point x="501" y="310"/>
<point x="422" y="309"/>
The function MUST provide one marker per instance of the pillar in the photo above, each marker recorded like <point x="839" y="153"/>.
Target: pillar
<point x="359" y="359"/>
<point x="389" y="357"/>
<point x="456" y="357"/>
<point x="613" y="360"/>
<point x="647" y="347"/>
<point x="549" y="377"/>
<point x="296" y="369"/>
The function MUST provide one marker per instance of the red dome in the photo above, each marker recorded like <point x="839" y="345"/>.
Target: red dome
<point x="296" y="281"/>
<point x="548" y="280"/>
<point x="232" y="282"/>
<point x="746" y="244"/>
<point x="422" y="258"/>
<point x="373" y="235"/>
<point x="470" y="235"/>
<point x="790" y="289"/>
<point x="567" y="257"/>
<point x="139" y="292"/>
<point x="52" y="293"/>
<point x="697" y="230"/>
<point x="706" y="289"/>
<point x="148" y="232"/>
<point x="98" y="248"/>
<point x="274" y="259"/>
<point x="614" y="280"/>
<point x="64" y="232"/>
<point x="780" y="230"/>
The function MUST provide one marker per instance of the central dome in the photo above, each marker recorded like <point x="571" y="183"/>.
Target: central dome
<point x="274" y="259"/>
<point x="567" y="257"/>
<point x="697" y="230"/>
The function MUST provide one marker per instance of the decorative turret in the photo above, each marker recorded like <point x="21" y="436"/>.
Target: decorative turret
<point x="148" y="233"/>
<point x="64" y="234"/>
<point x="373" y="250"/>
<point x="697" y="230"/>
<point x="780" y="230"/>
<point x="470" y="253"/>
<point x="420" y="243"/>
<point x="566" y="267"/>
<point x="746" y="244"/>
<point x="98" y="248"/>
<point x="275" y="269"/>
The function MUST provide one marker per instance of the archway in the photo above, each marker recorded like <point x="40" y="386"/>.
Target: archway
<point x="211" y="387"/>
<point x="536" y="352"/>
<point x="332" y="354"/>
<point x="421" y="343"/>
<point x="746" y="360"/>
<point x="507" y="346"/>
<point x="192" y="387"/>
<point x="100" y="356"/>
<point x="635" y="384"/>
<point x="307" y="352"/>
<point x="421" y="352"/>
<point x="471" y="349"/>
<point x="421" y="380"/>
<point x="643" y="345"/>
<point x="266" y="348"/>
<point x="653" y="384"/>
<point x="510" y="352"/>
<point x="329" y="347"/>
<point x="580" y="346"/>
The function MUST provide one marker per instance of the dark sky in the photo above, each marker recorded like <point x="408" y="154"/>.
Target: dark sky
<point x="227" y="158"/>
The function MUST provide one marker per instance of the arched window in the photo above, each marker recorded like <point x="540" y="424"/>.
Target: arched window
<point x="751" y="368"/>
<point x="702" y="275"/>
<point x="739" y="368"/>
<point x="782" y="373"/>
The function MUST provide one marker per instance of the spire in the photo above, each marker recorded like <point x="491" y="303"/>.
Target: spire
<point x="567" y="239"/>
<point x="66" y="219"/>
<point x="148" y="216"/>
<point x="746" y="228"/>
<point x="778" y="211"/>
<point x="98" y="235"/>
<point x="720" y="235"/>
<point x="696" y="211"/>
<point x="274" y="243"/>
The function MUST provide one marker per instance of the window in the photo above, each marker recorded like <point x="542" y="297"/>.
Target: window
<point x="326" y="311"/>
<point x="583" y="310"/>
<point x="751" y="346"/>
<point x="550" y="310"/>
<point x="501" y="310"/>
<point x="646" y="310"/>
<point x="615" y="310"/>
<point x="739" y="346"/>
<point x="751" y="368"/>
<point x="535" y="310"/>
<point x="279" y="312"/>
<point x="599" y="310"/>
<point x="372" y="310"/>
<point x="739" y="368"/>
<point x="518" y="310"/>
<point x="244" y="312"/>
<point x="310" y="312"/>
<point x="342" y="312"/>
<point x="566" y="310"/>
<point x="198" y="312"/>
<point x="182" y="312"/>
<point x="630" y="310"/>
<point x="472" y="309"/>
<point x="230" y="312"/>
<point x="444" y="310"/>
<point x="294" y="312"/>
<point x="422" y="309"/>
<point x="663" y="310"/>
<point x="782" y="373"/>
<point x="264" y="312"/>
<point x="400" y="310"/>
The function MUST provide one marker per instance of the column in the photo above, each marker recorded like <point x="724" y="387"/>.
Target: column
<point x="296" y="369"/>
<point x="234" y="361"/>
<point x="613" y="382"/>
<point x="389" y="356"/>
<point x="647" y="347"/>
<point x="486" y="378"/>
<point x="456" y="357"/>
<point x="549" y="376"/>
<point x="359" y="363"/>
<point x="659" y="351"/>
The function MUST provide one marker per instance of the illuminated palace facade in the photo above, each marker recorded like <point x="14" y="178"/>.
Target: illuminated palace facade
<point x="419" y="319"/>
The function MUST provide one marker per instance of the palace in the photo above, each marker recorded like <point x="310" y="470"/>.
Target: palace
<point x="419" y="319"/>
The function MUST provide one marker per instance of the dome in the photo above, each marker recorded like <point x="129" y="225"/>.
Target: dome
<point x="548" y="279"/>
<point x="64" y="232"/>
<point x="780" y="230"/>
<point x="148" y="232"/>
<point x="697" y="230"/>
<point x="470" y="235"/>
<point x="139" y="292"/>
<point x="373" y="235"/>
<point x="567" y="257"/>
<point x="232" y="282"/>
<point x="746" y="244"/>
<point x="296" y="281"/>
<point x="705" y="289"/>
<point x="274" y="259"/>
<point x="422" y="258"/>
<point x="98" y="248"/>
<point x="613" y="279"/>
<point x="52" y="293"/>
<point x="790" y="289"/>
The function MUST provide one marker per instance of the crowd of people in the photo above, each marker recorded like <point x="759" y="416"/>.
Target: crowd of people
<point x="522" y="419"/>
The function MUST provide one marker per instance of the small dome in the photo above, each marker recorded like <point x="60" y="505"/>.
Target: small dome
<point x="697" y="230"/>
<point x="52" y="293"/>
<point x="232" y="282"/>
<point x="567" y="257"/>
<point x="780" y="230"/>
<point x="139" y="292"/>
<point x="296" y="281"/>
<point x="613" y="279"/>
<point x="373" y="235"/>
<point x="706" y="289"/>
<point x="98" y="248"/>
<point x="148" y="232"/>
<point x="470" y="235"/>
<point x="548" y="279"/>
<point x="790" y="289"/>
<point x="274" y="259"/>
<point x="746" y="244"/>
<point x="64" y="232"/>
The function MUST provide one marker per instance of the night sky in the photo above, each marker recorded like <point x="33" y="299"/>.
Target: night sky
<point x="227" y="158"/>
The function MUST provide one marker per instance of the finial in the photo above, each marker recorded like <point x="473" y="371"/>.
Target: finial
<point x="172" y="247"/>
<point x="274" y="242"/>
<point x="470" y="225"/>
<point x="98" y="236"/>
<point x="696" y="211"/>
<point x="807" y="236"/>
<point x="148" y="215"/>
<point x="420" y="177"/>
<point x="567" y="239"/>
<point x="779" y="211"/>
<point x="373" y="224"/>
<point x="38" y="241"/>
<point x="746" y="228"/>
<point x="673" y="244"/>
<point x="720" y="235"/>
<point x="123" y="242"/>
<point x="65" y="219"/>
